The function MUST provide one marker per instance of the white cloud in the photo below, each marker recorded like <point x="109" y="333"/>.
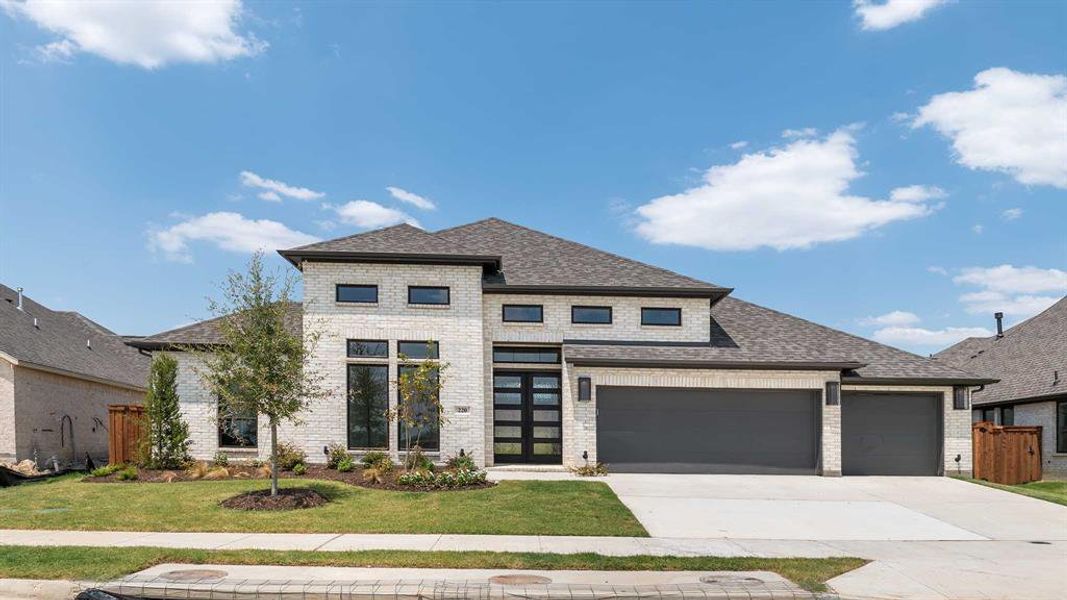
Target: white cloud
<point x="937" y="270"/>
<point x="978" y="228"/>
<point x="806" y="132"/>
<point x="147" y="34"/>
<point x="413" y="199"/>
<point x="894" y="318"/>
<point x="227" y="230"/>
<point x="738" y="144"/>
<point x="274" y="190"/>
<point x="916" y="193"/>
<point x="793" y="196"/>
<point x="889" y="14"/>
<point x="934" y="338"/>
<point x="1011" y="122"/>
<point x="1012" y="213"/>
<point x="371" y="215"/>
<point x="1019" y="291"/>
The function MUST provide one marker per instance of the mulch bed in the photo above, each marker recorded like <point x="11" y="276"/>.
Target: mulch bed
<point x="287" y="499"/>
<point x="354" y="477"/>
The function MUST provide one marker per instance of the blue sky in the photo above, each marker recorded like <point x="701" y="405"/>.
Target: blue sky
<point x="896" y="171"/>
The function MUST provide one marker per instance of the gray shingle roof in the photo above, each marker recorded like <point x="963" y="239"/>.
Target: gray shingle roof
<point x="743" y="332"/>
<point x="59" y="342"/>
<point x="1025" y="359"/>
<point x="207" y="333"/>
<point x="400" y="239"/>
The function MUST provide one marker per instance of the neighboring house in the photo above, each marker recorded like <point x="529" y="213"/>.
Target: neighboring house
<point x="561" y="353"/>
<point x="1030" y="360"/>
<point x="58" y="372"/>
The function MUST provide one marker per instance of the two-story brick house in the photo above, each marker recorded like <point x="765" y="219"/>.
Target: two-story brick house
<point x="560" y="353"/>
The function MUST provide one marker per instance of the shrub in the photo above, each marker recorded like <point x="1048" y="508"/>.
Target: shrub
<point x="345" y="465"/>
<point x="463" y="462"/>
<point x="445" y="480"/>
<point x="373" y="475"/>
<point x="371" y="458"/>
<point x="590" y="470"/>
<point x="217" y="473"/>
<point x="255" y="463"/>
<point x="106" y="470"/>
<point x="300" y="469"/>
<point x="221" y="459"/>
<point x="128" y="474"/>
<point x="289" y="456"/>
<point x="416" y="460"/>
<point x="335" y="454"/>
<point x="166" y="441"/>
<point x="197" y="470"/>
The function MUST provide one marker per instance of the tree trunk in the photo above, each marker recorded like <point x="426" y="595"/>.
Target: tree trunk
<point x="273" y="458"/>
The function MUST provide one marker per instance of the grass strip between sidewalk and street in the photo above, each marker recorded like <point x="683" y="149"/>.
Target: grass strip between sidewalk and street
<point x="89" y="563"/>
<point x="1049" y="491"/>
<point x="586" y="508"/>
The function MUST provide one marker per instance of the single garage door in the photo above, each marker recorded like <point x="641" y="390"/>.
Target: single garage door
<point x="671" y="430"/>
<point x="890" y="434"/>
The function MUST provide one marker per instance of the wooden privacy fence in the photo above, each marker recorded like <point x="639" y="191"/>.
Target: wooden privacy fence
<point x="125" y="422"/>
<point x="1006" y="454"/>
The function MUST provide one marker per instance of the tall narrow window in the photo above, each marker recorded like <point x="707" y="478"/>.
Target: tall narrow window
<point x="359" y="294"/>
<point x="1007" y="415"/>
<point x="368" y="400"/>
<point x="237" y="429"/>
<point x="424" y="294"/>
<point x="1061" y="426"/>
<point x="523" y="313"/>
<point x="661" y="316"/>
<point x="426" y="433"/>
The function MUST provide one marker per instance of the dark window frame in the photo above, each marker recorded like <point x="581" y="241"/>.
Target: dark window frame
<point x="448" y="295"/>
<point x="1007" y="413"/>
<point x="675" y="310"/>
<point x="400" y="428"/>
<point x="504" y="313"/>
<point x="611" y="316"/>
<point x="219" y="429"/>
<point x="348" y="347"/>
<point x="558" y="353"/>
<point x="1061" y="426"/>
<point x="337" y="293"/>
<point x="348" y="414"/>
<point x="408" y="358"/>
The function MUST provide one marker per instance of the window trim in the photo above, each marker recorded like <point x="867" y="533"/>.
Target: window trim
<point x="409" y="360"/>
<point x="611" y="316"/>
<point x="504" y="313"/>
<point x="388" y="422"/>
<point x="348" y="354"/>
<point x="670" y="308"/>
<point x="337" y="293"/>
<point x="447" y="289"/>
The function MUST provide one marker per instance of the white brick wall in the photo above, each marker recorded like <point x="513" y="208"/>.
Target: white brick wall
<point x="7" y="411"/>
<point x="1054" y="464"/>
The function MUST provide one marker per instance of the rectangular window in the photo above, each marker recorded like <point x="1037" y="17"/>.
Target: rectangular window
<point x="503" y="354"/>
<point x="661" y="316"/>
<point x="596" y="315"/>
<point x="368" y="349"/>
<point x="362" y="294"/>
<point x="1061" y="426"/>
<point x="1007" y="415"/>
<point x="237" y="429"/>
<point x="368" y="400"/>
<point x="425" y="294"/>
<point x="989" y="414"/>
<point x="426" y="432"/>
<point x="523" y="313"/>
<point x="419" y="350"/>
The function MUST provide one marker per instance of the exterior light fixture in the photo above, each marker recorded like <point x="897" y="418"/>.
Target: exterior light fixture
<point x="833" y="393"/>
<point x="585" y="389"/>
<point x="959" y="398"/>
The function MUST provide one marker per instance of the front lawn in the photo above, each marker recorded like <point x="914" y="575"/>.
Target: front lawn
<point x="1050" y="491"/>
<point x="100" y="564"/>
<point x="513" y="507"/>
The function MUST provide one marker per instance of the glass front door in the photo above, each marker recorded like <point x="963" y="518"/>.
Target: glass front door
<point x="527" y="420"/>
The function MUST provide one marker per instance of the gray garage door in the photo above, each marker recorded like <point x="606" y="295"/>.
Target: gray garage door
<point x="890" y="434"/>
<point x="670" y="430"/>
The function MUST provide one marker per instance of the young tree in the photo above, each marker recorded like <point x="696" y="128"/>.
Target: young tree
<point x="259" y="366"/>
<point x="166" y="439"/>
<point x="419" y="406"/>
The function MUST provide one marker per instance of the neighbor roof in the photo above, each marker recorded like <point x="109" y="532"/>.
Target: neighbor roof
<point x="207" y="333"/>
<point x="58" y="343"/>
<point x="518" y="259"/>
<point x="1026" y="359"/>
<point x="747" y="335"/>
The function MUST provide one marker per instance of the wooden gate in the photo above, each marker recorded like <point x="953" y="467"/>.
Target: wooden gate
<point x="1007" y="455"/>
<point x="123" y="432"/>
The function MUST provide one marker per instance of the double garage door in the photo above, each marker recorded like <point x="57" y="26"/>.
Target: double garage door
<point x="691" y="430"/>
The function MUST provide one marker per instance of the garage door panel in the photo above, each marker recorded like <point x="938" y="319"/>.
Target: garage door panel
<point x="890" y="434"/>
<point x="706" y="431"/>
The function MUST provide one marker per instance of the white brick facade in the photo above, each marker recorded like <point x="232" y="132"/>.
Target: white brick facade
<point x="1054" y="464"/>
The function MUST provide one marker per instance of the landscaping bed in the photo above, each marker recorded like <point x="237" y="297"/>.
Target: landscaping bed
<point x="286" y="499"/>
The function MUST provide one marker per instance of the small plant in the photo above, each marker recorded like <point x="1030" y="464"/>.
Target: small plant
<point x="335" y="453"/>
<point x="371" y="458"/>
<point x="289" y="456"/>
<point x="445" y="480"/>
<point x="345" y="465"/>
<point x="128" y="474"/>
<point x="255" y="463"/>
<point x="217" y="473"/>
<point x="597" y="469"/>
<point x="463" y="462"/>
<point x="300" y="469"/>
<point x="197" y="470"/>
<point x="373" y="475"/>
<point x="106" y="470"/>
<point x="416" y="460"/>
<point x="221" y="459"/>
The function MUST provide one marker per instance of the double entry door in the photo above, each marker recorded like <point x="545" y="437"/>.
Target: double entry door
<point x="527" y="420"/>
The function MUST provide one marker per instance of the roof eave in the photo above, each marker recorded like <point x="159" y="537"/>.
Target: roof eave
<point x="713" y="293"/>
<point x="858" y="380"/>
<point x="298" y="257"/>
<point x="713" y="364"/>
<point x="158" y="346"/>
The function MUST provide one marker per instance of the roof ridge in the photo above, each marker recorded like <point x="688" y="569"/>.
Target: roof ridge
<point x="359" y="233"/>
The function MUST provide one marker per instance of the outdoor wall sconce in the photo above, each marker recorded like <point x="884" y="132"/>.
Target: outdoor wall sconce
<point x="585" y="389"/>
<point x="959" y="397"/>
<point x="833" y="393"/>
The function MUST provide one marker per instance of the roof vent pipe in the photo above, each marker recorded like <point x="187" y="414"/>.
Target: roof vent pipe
<point x="89" y="343"/>
<point x="1000" y="323"/>
<point x="19" y="305"/>
<point x="35" y="325"/>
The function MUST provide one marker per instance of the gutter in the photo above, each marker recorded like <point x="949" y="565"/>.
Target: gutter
<point x="856" y="380"/>
<point x="712" y="364"/>
<point x="714" y="294"/>
<point x="299" y="257"/>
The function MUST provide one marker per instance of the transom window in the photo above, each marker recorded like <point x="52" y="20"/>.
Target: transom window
<point x="426" y="294"/>
<point x="368" y="401"/>
<point x="661" y="316"/>
<point x="368" y="349"/>
<point x="362" y="294"/>
<point x="419" y="350"/>
<point x="523" y="313"/>
<point x="598" y="315"/>
<point x="509" y="354"/>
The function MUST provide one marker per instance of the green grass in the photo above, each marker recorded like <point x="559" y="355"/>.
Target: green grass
<point x="513" y="507"/>
<point x="98" y="564"/>
<point x="1050" y="491"/>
